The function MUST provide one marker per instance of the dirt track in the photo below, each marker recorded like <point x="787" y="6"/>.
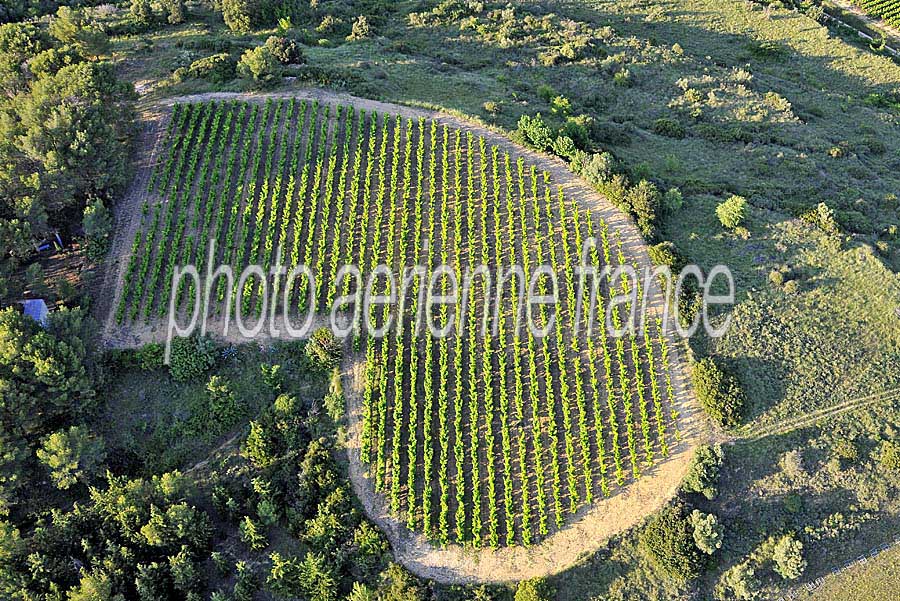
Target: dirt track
<point x="588" y="530"/>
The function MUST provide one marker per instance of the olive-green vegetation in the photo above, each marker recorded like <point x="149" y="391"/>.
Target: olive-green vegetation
<point x="703" y="101"/>
<point x="66" y="130"/>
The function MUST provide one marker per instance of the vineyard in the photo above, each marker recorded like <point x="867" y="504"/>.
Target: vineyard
<point x="887" y="10"/>
<point x="489" y="439"/>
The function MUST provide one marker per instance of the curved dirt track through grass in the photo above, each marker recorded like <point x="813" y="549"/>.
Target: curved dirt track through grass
<point x="590" y="527"/>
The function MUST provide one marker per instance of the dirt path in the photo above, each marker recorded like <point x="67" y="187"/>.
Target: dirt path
<point x="873" y="22"/>
<point x="783" y="427"/>
<point x="592" y="526"/>
<point x="127" y="219"/>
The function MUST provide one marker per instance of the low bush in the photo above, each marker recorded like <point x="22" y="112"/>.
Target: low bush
<point x="535" y="589"/>
<point x="260" y="66"/>
<point x="218" y="68"/>
<point x="668" y="127"/>
<point x="191" y="357"/>
<point x="703" y="473"/>
<point x="286" y="50"/>
<point x="668" y="538"/>
<point x="533" y="132"/>
<point x="732" y="212"/>
<point x="718" y="392"/>
<point x="324" y="349"/>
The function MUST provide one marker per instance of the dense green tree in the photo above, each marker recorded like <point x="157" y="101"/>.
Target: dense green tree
<point x="175" y="11"/>
<point x="141" y="13"/>
<point x="98" y="226"/>
<point x="708" y="532"/>
<point x="71" y="455"/>
<point x="13" y="454"/>
<point x="43" y="373"/>
<point x="260" y="66"/>
<point x="668" y="538"/>
<point x="76" y="124"/>
<point x="787" y="556"/>
<point x="35" y="280"/>
<point x="534" y="589"/>
<point x="73" y="26"/>
<point x="718" y="392"/>
<point x="703" y="473"/>
<point x="52" y="60"/>
<point x="732" y="212"/>
<point x="19" y="43"/>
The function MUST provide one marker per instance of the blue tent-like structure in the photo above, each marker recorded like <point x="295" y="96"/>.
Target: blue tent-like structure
<point x="37" y="310"/>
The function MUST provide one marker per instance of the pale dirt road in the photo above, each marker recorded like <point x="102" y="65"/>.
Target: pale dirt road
<point x="591" y="527"/>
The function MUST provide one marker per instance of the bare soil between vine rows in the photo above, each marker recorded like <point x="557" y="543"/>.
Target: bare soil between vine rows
<point x="586" y="531"/>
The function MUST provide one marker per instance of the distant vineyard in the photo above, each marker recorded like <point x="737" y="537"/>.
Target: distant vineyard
<point x="490" y="440"/>
<point x="887" y="10"/>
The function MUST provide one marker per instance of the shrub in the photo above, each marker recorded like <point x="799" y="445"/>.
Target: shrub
<point x="668" y="538"/>
<point x="738" y="582"/>
<point x="822" y="217"/>
<point x="703" y="473"/>
<point x="252" y="534"/>
<point x="361" y="29"/>
<point x="622" y="78"/>
<point x="596" y="168"/>
<point x="334" y="405"/>
<point x="889" y="455"/>
<point x="564" y="146"/>
<point x="223" y="407"/>
<point x="260" y="66"/>
<point x="642" y="201"/>
<point x="534" y="132"/>
<point x="666" y="254"/>
<point x="191" y="357"/>
<point x="561" y="106"/>
<point x="286" y="50"/>
<point x="673" y="200"/>
<point x="218" y="68"/>
<point x="535" y="589"/>
<point x="787" y="556"/>
<point x="323" y="348"/>
<point x="732" y="212"/>
<point x="491" y="107"/>
<point x="577" y="128"/>
<point x="546" y="93"/>
<point x="150" y="356"/>
<point x="668" y="127"/>
<point x="718" y="392"/>
<point x="708" y="531"/>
